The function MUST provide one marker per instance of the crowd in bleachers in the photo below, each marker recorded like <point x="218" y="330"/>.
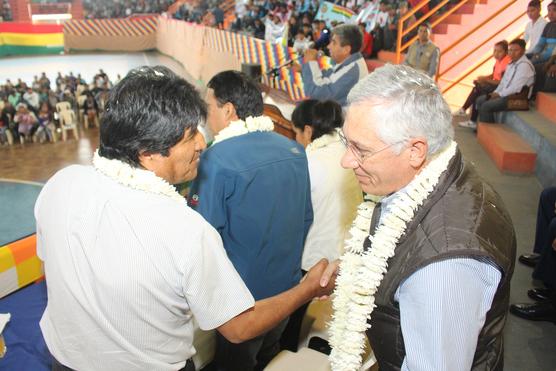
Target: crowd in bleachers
<point x="5" y="11"/>
<point x="267" y="19"/>
<point x="33" y="113"/>
<point x="123" y="8"/>
<point x="522" y="69"/>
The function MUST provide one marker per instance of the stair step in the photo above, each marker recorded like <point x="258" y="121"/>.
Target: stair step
<point x="510" y="153"/>
<point x="468" y="8"/>
<point x="545" y="105"/>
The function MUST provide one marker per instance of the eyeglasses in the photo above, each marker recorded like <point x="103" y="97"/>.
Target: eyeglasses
<point x="362" y="156"/>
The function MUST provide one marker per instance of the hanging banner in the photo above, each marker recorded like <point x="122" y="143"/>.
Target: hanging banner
<point x="330" y="12"/>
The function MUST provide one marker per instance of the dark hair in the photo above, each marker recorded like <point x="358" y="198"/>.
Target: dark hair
<point x="323" y="116"/>
<point x="148" y="111"/>
<point x="551" y="4"/>
<point x="349" y="34"/>
<point x="534" y="4"/>
<point x="503" y="44"/>
<point x="519" y="42"/>
<point x="238" y="89"/>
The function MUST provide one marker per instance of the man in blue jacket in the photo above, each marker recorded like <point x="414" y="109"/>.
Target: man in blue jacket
<point x="336" y="82"/>
<point x="253" y="187"/>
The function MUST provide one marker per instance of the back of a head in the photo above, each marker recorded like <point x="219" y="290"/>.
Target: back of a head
<point x="406" y="104"/>
<point x="148" y="111"/>
<point x="238" y="89"/>
<point x="323" y="116"/>
<point x="349" y="34"/>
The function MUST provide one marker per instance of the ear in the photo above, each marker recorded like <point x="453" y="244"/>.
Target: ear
<point x="230" y="112"/>
<point x="418" y="149"/>
<point x="308" y="133"/>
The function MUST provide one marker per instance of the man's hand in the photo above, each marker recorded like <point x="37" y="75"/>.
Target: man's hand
<point x="554" y="244"/>
<point x="315" y="278"/>
<point x="329" y="274"/>
<point x="494" y="95"/>
<point x="296" y="67"/>
<point x="311" y="55"/>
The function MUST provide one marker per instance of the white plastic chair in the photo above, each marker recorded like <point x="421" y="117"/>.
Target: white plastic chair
<point x="68" y="122"/>
<point x="304" y="359"/>
<point x="63" y="106"/>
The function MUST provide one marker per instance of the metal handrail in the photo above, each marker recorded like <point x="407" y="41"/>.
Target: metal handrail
<point x="481" y="25"/>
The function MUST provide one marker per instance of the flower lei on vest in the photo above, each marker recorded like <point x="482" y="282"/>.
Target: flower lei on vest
<point x="323" y="141"/>
<point x="240" y="127"/>
<point x="361" y="272"/>
<point x="132" y="177"/>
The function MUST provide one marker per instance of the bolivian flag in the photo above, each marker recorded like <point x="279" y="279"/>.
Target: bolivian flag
<point x="27" y="38"/>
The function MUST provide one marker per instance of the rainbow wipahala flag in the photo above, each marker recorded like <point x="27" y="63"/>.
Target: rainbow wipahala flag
<point x="27" y="38"/>
<point x="331" y="12"/>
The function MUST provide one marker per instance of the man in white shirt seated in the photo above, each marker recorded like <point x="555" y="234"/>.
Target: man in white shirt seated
<point x="535" y="26"/>
<point x="520" y="73"/>
<point x="127" y="262"/>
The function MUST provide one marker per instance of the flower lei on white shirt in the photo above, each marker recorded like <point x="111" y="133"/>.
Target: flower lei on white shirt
<point x="323" y="141"/>
<point x="240" y="127"/>
<point x="361" y="272"/>
<point x="132" y="177"/>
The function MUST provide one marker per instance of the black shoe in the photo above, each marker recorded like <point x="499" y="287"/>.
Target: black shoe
<point x="529" y="260"/>
<point x="540" y="294"/>
<point x="535" y="312"/>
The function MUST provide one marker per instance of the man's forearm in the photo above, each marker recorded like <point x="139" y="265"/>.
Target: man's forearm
<point x="267" y="314"/>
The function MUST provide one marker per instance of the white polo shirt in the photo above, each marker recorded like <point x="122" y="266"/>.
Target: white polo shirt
<point x="126" y="270"/>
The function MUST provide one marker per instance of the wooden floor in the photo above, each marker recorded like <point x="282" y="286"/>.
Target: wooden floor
<point x="38" y="162"/>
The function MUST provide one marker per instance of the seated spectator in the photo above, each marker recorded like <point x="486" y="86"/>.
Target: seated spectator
<point x="321" y="35"/>
<point x="26" y="122"/>
<point x="91" y="110"/>
<point x="335" y="192"/>
<point x="302" y="43"/>
<point x="519" y="74"/>
<point x="31" y="99"/>
<point x="274" y="29"/>
<point x="367" y="47"/>
<point x="544" y="261"/>
<point x="487" y="84"/>
<point x="543" y="50"/>
<point x="535" y="26"/>
<point x="46" y="128"/>
<point x="423" y="55"/>
<point x="259" y="29"/>
<point x="391" y="29"/>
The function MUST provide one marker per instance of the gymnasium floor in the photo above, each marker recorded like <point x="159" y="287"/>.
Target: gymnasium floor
<point x="529" y="345"/>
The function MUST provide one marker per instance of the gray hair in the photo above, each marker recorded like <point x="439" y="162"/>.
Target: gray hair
<point x="407" y="104"/>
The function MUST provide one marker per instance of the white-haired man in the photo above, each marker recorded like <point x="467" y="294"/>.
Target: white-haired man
<point x="435" y="255"/>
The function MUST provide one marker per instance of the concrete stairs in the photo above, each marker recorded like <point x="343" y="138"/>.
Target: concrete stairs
<point x="525" y="142"/>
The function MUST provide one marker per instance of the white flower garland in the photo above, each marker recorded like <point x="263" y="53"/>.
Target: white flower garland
<point x="240" y="127"/>
<point x="143" y="180"/>
<point x="323" y="141"/>
<point x="361" y="272"/>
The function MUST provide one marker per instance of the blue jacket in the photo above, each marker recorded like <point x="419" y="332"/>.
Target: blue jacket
<point x="254" y="189"/>
<point x="333" y="83"/>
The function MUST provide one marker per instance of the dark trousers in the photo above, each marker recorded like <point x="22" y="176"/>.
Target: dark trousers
<point x="290" y="336"/>
<point x="477" y="91"/>
<point x="545" y="270"/>
<point x="487" y="107"/>
<point x="57" y="366"/>
<point x="253" y="354"/>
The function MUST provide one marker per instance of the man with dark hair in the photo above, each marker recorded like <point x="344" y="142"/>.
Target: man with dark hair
<point x="520" y="73"/>
<point x="544" y="47"/>
<point x="423" y="55"/>
<point x="535" y="26"/>
<point x="253" y="187"/>
<point x="127" y="262"/>
<point x="335" y="83"/>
